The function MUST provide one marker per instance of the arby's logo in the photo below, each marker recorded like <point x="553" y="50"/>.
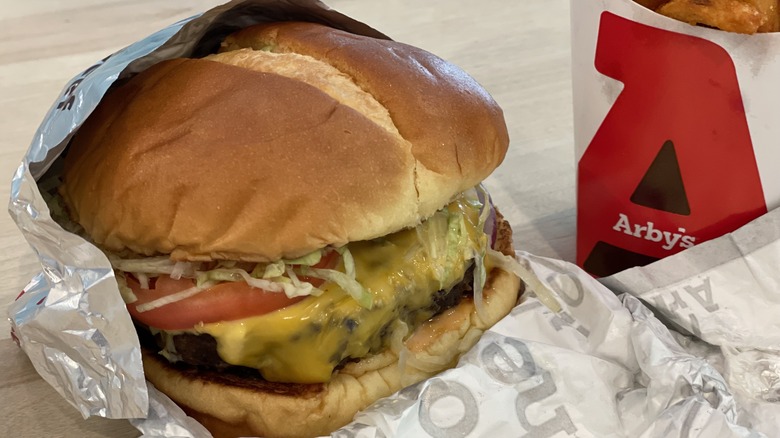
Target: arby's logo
<point x="672" y="164"/>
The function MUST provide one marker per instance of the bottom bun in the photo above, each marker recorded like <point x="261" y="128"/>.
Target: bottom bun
<point x="231" y="405"/>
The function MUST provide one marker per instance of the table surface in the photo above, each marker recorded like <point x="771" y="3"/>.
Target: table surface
<point x="519" y="51"/>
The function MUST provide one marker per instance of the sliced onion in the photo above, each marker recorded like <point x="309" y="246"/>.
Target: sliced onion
<point x="491" y="226"/>
<point x="487" y="216"/>
<point x="510" y="264"/>
<point x="480" y="277"/>
<point x="400" y="330"/>
<point x="397" y="345"/>
<point x="421" y="361"/>
<point x="402" y="355"/>
<point x="178" y="296"/>
<point x="425" y="362"/>
<point x="411" y="253"/>
<point x="469" y="339"/>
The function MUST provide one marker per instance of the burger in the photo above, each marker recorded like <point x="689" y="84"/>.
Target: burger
<point x="296" y="223"/>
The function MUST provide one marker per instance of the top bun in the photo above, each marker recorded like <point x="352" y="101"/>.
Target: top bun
<point x="295" y="137"/>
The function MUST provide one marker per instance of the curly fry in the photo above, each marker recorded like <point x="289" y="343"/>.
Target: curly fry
<point x="770" y="10"/>
<point x="651" y="4"/>
<point x="730" y="15"/>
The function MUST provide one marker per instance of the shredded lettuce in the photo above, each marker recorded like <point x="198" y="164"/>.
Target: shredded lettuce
<point x="178" y="296"/>
<point x="270" y="277"/>
<point x="293" y="277"/>
<point x="271" y="270"/>
<point x="143" y="280"/>
<point x="124" y="290"/>
<point x="181" y="268"/>
<point x="290" y="289"/>
<point x="148" y="265"/>
<point x="279" y="267"/>
<point x="218" y="275"/>
<point x="350" y="285"/>
<point x="309" y="259"/>
<point x="445" y="239"/>
<point x="349" y="261"/>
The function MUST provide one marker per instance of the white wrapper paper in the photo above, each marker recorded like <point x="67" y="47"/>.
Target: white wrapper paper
<point x="603" y="367"/>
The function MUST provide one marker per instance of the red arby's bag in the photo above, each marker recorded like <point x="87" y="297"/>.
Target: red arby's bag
<point x="677" y="132"/>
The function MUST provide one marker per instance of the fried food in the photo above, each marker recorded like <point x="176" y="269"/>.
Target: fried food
<point x="741" y="16"/>
<point x="771" y="10"/>
<point x="651" y="4"/>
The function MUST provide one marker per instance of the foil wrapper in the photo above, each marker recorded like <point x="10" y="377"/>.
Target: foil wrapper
<point x="605" y="366"/>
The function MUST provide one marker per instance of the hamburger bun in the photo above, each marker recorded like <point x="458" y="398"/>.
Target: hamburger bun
<point x="398" y="133"/>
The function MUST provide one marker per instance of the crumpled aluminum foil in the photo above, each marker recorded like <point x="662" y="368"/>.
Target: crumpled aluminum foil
<point x="604" y="366"/>
<point x="725" y="295"/>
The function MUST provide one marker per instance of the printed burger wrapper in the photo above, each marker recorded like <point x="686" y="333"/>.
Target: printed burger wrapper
<point x="675" y="132"/>
<point x="604" y="366"/>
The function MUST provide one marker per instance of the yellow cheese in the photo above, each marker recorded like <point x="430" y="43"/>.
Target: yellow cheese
<point x="304" y="342"/>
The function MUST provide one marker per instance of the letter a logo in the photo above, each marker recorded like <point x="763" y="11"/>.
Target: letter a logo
<point x="662" y="187"/>
<point x="674" y="150"/>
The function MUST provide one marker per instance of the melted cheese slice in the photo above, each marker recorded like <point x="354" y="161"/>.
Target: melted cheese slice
<point x="304" y="342"/>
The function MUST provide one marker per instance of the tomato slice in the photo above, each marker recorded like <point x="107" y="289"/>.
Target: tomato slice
<point x="225" y="301"/>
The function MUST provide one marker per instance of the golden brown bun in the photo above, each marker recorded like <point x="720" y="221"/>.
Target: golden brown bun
<point x="255" y="155"/>
<point x="235" y="408"/>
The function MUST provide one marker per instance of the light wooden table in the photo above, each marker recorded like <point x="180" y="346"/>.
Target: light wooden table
<point x="519" y="50"/>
